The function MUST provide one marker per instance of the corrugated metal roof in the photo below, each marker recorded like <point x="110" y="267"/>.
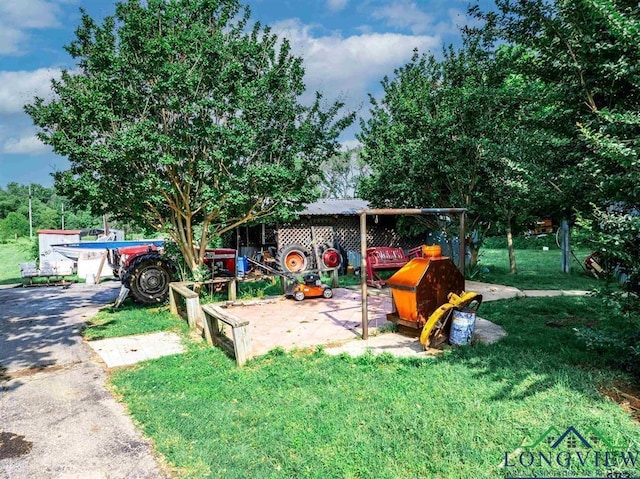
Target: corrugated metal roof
<point x="335" y="207"/>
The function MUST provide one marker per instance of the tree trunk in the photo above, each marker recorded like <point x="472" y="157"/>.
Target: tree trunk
<point x="475" y="252"/>
<point x="513" y="268"/>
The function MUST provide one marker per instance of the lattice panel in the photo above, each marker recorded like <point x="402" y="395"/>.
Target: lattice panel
<point x="345" y="232"/>
<point x="303" y="233"/>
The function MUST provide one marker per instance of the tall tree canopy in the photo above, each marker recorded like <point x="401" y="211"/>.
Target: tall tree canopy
<point x="342" y="174"/>
<point x="449" y="133"/>
<point x="589" y="50"/>
<point x="183" y="117"/>
<point x="579" y="49"/>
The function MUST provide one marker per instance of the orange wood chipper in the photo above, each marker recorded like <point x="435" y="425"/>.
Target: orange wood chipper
<point x="425" y="293"/>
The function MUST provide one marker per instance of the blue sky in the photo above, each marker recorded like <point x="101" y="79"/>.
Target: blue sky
<point x="348" y="46"/>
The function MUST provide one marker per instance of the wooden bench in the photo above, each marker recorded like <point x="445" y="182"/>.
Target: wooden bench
<point x="239" y="346"/>
<point x="192" y="301"/>
<point x="49" y="269"/>
<point x="383" y="258"/>
<point x="182" y="289"/>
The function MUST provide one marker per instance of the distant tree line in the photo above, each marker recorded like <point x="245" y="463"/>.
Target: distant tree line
<point x="49" y="210"/>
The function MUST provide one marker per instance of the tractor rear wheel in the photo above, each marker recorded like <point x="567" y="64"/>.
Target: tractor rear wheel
<point x="293" y="259"/>
<point x="148" y="279"/>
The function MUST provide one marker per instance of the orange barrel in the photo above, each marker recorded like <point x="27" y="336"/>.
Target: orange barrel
<point x="434" y="251"/>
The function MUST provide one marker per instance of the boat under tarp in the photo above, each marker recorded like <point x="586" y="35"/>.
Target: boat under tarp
<point x="74" y="250"/>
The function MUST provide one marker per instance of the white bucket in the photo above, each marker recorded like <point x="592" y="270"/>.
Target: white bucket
<point x="462" y="327"/>
<point x="90" y="279"/>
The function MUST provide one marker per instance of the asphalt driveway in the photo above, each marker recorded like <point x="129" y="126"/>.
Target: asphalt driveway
<point x="57" y="419"/>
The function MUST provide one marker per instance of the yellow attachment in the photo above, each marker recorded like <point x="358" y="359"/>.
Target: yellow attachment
<point x="455" y="301"/>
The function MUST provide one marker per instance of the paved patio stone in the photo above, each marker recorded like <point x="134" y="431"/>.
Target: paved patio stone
<point x="128" y="350"/>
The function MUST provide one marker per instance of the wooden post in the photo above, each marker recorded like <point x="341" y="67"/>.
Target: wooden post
<point x="192" y="301"/>
<point x="363" y="274"/>
<point x="241" y="344"/>
<point x="104" y="258"/>
<point x="193" y="311"/>
<point x="335" y="282"/>
<point x="241" y="347"/>
<point x="232" y="289"/>
<point x="211" y="326"/>
<point x="173" y="304"/>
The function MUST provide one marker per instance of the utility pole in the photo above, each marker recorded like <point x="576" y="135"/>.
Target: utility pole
<point x="30" y="215"/>
<point x="62" y="207"/>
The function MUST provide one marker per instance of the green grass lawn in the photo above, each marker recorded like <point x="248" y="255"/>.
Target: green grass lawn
<point x="308" y="415"/>
<point x="132" y="319"/>
<point x="11" y="255"/>
<point x="537" y="269"/>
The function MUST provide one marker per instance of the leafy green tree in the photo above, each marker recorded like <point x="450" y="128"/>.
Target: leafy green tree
<point x="615" y="140"/>
<point x="342" y="173"/>
<point x="185" y="119"/>
<point x="577" y="50"/>
<point x="14" y="225"/>
<point x="443" y="136"/>
<point x="589" y="51"/>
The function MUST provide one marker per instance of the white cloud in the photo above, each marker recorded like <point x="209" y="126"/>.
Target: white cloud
<point x="30" y="13"/>
<point x="350" y="67"/>
<point x="28" y="145"/>
<point x="350" y="144"/>
<point x="337" y="5"/>
<point x="20" y="87"/>
<point x="19" y="16"/>
<point x="412" y="16"/>
<point x="10" y="38"/>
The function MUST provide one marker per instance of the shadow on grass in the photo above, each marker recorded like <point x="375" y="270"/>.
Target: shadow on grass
<point x="96" y="327"/>
<point x="542" y="349"/>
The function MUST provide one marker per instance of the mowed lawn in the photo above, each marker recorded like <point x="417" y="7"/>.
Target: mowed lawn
<point x="309" y="415"/>
<point x="11" y="255"/>
<point x="537" y="269"/>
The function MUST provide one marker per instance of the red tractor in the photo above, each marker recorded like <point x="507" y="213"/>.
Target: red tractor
<point x="145" y="272"/>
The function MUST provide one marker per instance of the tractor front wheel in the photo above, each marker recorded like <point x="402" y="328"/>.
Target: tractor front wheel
<point x="149" y="277"/>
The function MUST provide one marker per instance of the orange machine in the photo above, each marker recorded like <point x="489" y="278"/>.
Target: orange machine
<point x="425" y="291"/>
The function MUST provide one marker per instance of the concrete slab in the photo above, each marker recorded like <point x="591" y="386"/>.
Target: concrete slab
<point x="333" y="323"/>
<point x="289" y="324"/>
<point x="534" y="293"/>
<point x="395" y="344"/>
<point x="487" y="332"/>
<point x="493" y="292"/>
<point x="124" y="351"/>
<point x="402" y="346"/>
